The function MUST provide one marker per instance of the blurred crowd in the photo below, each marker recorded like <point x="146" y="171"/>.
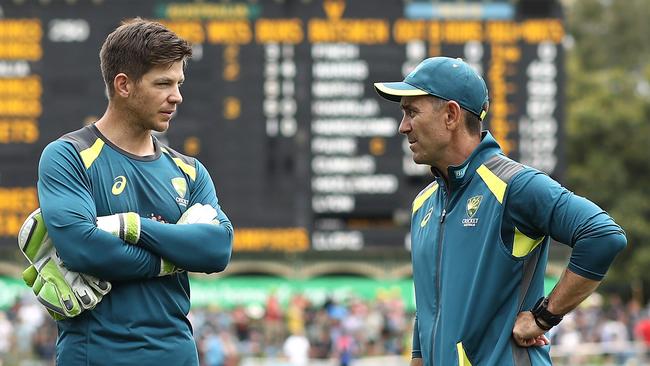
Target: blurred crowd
<point x="604" y="330"/>
<point x="297" y="332"/>
<point x="303" y="331"/>
<point x="337" y="331"/>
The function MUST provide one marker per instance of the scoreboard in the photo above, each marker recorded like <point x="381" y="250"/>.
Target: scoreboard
<point x="279" y="103"/>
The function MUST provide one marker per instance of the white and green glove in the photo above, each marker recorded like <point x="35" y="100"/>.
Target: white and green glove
<point x="64" y="293"/>
<point x="125" y="226"/>
<point x="197" y="214"/>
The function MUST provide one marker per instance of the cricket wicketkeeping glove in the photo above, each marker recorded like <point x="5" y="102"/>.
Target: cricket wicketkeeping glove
<point x="197" y="214"/>
<point x="125" y="226"/>
<point x="64" y="293"/>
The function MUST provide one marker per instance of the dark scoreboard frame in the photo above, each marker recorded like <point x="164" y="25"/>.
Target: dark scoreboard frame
<point x="279" y="104"/>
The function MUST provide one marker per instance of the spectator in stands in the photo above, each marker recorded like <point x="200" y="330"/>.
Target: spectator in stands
<point x="614" y="336"/>
<point x="214" y="350"/>
<point x="296" y="349"/>
<point x="44" y="342"/>
<point x="642" y="333"/>
<point x="6" y="335"/>
<point x="273" y="320"/>
<point x="345" y="348"/>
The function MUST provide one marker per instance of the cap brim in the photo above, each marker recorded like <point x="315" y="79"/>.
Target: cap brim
<point x="396" y="90"/>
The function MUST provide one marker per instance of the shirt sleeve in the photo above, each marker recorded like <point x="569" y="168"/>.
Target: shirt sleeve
<point x="195" y="247"/>
<point x="416" y="352"/>
<point x="68" y="207"/>
<point x="539" y="206"/>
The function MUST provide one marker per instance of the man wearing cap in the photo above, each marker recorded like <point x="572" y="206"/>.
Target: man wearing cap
<point x="480" y="232"/>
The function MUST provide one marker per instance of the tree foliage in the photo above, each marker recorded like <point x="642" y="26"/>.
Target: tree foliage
<point x="608" y="120"/>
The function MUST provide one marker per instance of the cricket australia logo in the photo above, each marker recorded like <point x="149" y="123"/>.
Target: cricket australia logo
<point x="472" y="206"/>
<point x="180" y="185"/>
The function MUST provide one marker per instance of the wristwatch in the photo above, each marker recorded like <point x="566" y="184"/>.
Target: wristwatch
<point x="540" y="312"/>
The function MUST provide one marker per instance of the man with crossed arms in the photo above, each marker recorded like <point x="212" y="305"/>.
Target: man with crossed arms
<point x="127" y="216"/>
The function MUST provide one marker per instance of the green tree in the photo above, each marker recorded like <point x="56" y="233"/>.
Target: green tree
<point x="608" y="120"/>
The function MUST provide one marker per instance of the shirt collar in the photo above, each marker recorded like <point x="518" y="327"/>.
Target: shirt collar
<point x="156" y="146"/>
<point x="459" y="174"/>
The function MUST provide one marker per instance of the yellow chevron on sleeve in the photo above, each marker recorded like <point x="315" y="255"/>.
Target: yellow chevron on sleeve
<point x="187" y="168"/>
<point x="523" y="244"/>
<point x="494" y="183"/>
<point x="419" y="200"/>
<point x="462" y="356"/>
<point x="89" y="155"/>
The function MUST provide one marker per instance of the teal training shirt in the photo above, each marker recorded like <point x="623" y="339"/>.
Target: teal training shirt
<point x="479" y="247"/>
<point x="143" y="320"/>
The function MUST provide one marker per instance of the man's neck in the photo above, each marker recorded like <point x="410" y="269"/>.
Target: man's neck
<point x="124" y="132"/>
<point x="458" y="151"/>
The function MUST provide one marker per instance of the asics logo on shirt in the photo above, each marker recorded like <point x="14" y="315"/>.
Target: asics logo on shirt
<point x="426" y="218"/>
<point x="119" y="185"/>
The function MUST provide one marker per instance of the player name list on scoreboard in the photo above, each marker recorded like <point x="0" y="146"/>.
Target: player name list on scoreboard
<point x="279" y="103"/>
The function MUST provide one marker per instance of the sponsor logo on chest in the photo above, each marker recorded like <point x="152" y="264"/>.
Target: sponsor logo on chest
<point x="473" y="203"/>
<point x="119" y="183"/>
<point x="426" y="218"/>
<point x="180" y="186"/>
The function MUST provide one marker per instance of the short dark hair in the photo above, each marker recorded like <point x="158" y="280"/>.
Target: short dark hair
<point x="438" y="102"/>
<point x="472" y="121"/>
<point x="136" y="46"/>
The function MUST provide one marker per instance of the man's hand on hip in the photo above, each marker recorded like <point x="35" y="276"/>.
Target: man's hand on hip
<point x="526" y="333"/>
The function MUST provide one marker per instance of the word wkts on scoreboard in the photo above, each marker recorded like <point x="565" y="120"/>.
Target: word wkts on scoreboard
<point x="279" y="104"/>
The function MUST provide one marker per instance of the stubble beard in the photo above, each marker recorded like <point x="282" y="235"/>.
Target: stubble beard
<point x="146" y="120"/>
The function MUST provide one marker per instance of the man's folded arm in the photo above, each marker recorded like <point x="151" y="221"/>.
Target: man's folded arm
<point x="195" y="247"/>
<point x="64" y="193"/>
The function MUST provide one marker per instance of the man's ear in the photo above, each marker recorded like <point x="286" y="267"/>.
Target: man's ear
<point x="122" y="85"/>
<point x="454" y="115"/>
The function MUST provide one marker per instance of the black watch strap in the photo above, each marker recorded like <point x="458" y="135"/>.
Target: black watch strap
<point x="540" y="312"/>
<point x="540" y="325"/>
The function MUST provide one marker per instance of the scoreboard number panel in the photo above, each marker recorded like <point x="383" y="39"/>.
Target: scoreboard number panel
<point x="279" y="104"/>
